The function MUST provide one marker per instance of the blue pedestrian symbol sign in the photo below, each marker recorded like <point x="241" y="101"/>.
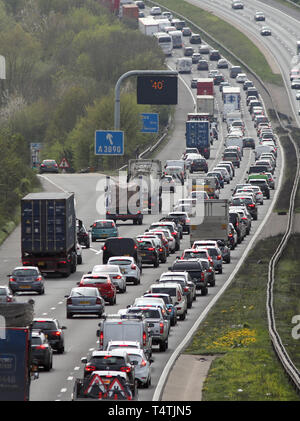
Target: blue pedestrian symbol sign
<point x="109" y="142"/>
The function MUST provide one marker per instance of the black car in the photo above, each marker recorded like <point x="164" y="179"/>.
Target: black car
<point x="214" y="55"/>
<point x="48" y="165"/>
<point x="122" y="246"/>
<point x="250" y="204"/>
<point x="194" y="83"/>
<point x="41" y="350"/>
<point x="202" y="65"/>
<point x="198" y="164"/>
<point x="235" y="219"/>
<point x="53" y="330"/>
<point x="248" y="142"/>
<point x="115" y="360"/>
<point x="263" y="185"/>
<point x="149" y="252"/>
<point x="195" y="270"/>
<point x="218" y="79"/>
<point x="83" y="237"/>
<point x="210" y="272"/>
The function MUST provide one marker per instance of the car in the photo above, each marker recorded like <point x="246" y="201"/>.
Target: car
<point x="183" y="219"/>
<point x="6" y="295"/>
<point x="222" y="63"/>
<point x="199" y="195"/>
<point x="115" y="274"/>
<point x="218" y="79"/>
<point x="248" y="142"/>
<point x="140" y="4"/>
<point x="167" y="15"/>
<point x="240" y="228"/>
<point x="265" y="31"/>
<point x="54" y="331"/>
<point x="184" y="279"/>
<point x="242" y="199"/>
<point x="141" y="14"/>
<point x="84" y="301"/>
<point x="188" y="51"/>
<point x="195" y="270"/>
<point x="224" y="173"/>
<point x="213" y="72"/>
<point x="128" y="267"/>
<point x="115" y="360"/>
<point x="158" y="323"/>
<point x="48" y="165"/>
<point x="237" y="5"/>
<point x="122" y="246"/>
<point x="245" y="217"/>
<point x="168" y="184"/>
<point x="214" y="55"/>
<point x="83" y="237"/>
<point x="174" y="290"/>
<point x="234" y="71"/>
<point x="196" y="57"/>
<point x="160" y="246"/>
<point x="79" y="253"/>
<point x="155" y="11"/>
<point x="232" y="237"/>
<point x="41" y="350"/>
<point x="26" y="279"/>
<point x="247" y="84"/>
<point x="295" y="84"/>
<point x="171" y="226"/>
<point x="172" y="310"/>
<point x="222" y="84"/>
<point x="194" y="82"/>
<point x="167" y="233"/>
<point x="218" y="175"/>
<point x="104" y="284"/>
<point x="202" y="65"/>
<point x="186" y="31"/>
<point x="195" y="38"/>
<point x="142" y="366"/>
<point x="262" y="184"/>
<point x="198" y="163"/>
<point x="241" y="77"/>
<point x="259" y="16"/>
<point x="271" y="180"/>
<point x="149" y="251"/>
<point x="103" y="228"/>
<point x="216" y="255"/>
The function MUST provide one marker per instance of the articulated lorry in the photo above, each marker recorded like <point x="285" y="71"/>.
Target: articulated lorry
<point x="198" y="136"/>
<point x="48" y="232"/>
<point x="215" y="223"/>
<point x="16" y="368"/>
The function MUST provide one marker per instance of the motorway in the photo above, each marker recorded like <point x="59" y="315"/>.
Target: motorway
<point x="80" y="335"/>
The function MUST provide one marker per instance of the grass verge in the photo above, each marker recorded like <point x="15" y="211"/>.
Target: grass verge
<point x="236" y="327"/>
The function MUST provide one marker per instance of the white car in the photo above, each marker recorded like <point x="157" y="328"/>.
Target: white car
<point x="265" y="31"/>
<point x="155" y="11"/>
<point x="224" y="172"/>
<point x="241" y="77"/>
<point x="142" y="366"/>
<point x="115" y="274"/>
<point x="199" y="195"/>
<point x="79" y="253"/>
<point x="128" y="267"/>
<point x="169" y="237"/>
<point x="123" y="344"/>
<point x="298" y="95"/>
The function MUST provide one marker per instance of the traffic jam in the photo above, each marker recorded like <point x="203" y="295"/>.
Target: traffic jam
<point x="212" y="219"/>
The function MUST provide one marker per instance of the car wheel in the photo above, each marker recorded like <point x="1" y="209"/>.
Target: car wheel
<point x="61" y="350"/>
<point x="182" y="316"/>
<point x="47" y="367"/>
<point x="221" y="270"/>
<point x="156" y="264"/>
<point x="42" y="291"/>
<point x="212" y="283"/>
<point x="93" y="239"/>
<point x="79" y="260"/>
<point x="190" y="304"/>
<point x="163" y="346"/>
<point x="204" y="291"/>
<point x="69" y="315"/>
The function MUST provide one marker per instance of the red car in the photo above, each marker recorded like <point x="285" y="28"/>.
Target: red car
<point x="104" y="284"/>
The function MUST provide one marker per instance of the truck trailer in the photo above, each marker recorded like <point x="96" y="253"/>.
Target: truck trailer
<point x="48" y="232"/>
<point x="198" y="136"/>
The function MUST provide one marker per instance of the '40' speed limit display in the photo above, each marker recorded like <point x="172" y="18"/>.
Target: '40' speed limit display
<point x="158" y="90"/>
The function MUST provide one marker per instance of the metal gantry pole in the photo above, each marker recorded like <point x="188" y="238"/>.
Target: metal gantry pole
<point x="134" y="73"/>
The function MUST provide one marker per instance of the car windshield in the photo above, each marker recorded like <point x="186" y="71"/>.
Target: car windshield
<point x="25" y="272"/>
<point x="106" y="360"/>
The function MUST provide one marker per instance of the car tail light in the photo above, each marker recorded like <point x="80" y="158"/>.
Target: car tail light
<point x="41" y="347"/>
<point x="90" y="368"/>
<point x="244" y="218"/>
<point x="230" y="235"/>
<point x="143" y="363"/>
<point x="133" y="266"/>
<point x="185" y="289"/>
<point x="160" y="249"/>
<point x="219" y="257"/>
<point x="11" y="279"/>
<point x="69" y="301"/>
<point x="104" y="248"/>
<point x="125" y="369"/>
<point x="161" y="328"/>
<point x="144" y="338"/>
<point x="39" y="278"/>
<point x="8" y="299"/>
<point x="117" y="277"/>
<point x="251" y="205"/>
<point x="57" y="333"/>
<point x="62" y="262"/>
<point x="174" y="233"/>
<point x="151" y="248"/>
<point x="98" y="300"/>
<point x="202" y="276"/>
<point x="101" y="338"/>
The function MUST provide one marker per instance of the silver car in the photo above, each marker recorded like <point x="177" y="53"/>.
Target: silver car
<point x="115" y="274"/>
<point x="5" y="295"/>
<point x="84" y="300"/>
<point x="26" y="279"/>
<point x="129" y="269"/>
<point x="216" y="255"/>
<point x="142" y="366"/>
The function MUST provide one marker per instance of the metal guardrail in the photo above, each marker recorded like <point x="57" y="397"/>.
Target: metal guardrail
<point x="281" y="352"/>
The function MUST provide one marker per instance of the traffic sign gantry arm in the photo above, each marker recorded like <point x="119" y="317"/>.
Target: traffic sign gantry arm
<point x="134" y="73"/>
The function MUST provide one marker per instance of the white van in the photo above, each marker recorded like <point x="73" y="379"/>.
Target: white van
<point x="177" y="38"/>
<point x="184" y="65"/>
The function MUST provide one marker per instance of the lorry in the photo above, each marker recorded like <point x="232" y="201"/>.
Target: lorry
<point x="215" y="223"/>
<point x="123" y="200"/>
<point x="148" y="174"/>
<point x="208" y="184"/>
<point x="148" y="26"/>
<point x="205" y="86"/>
<point x="231" y="100"/>
<point x="16" y="365"/>
<point x="130" y="11"/>
<point x="198" y="136"/>
<point x="205" y="104"/>
<point x="48" y="232"/>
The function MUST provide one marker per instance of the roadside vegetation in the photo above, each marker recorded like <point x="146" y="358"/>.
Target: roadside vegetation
<point x="246" y="368"/>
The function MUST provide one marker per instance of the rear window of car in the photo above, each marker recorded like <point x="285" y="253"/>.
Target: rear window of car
<point x="94" y="280"/>
<point x="167" y="290"/>
<point x="213" y="252"/>
<point x="186" y="266"/>
<point x="192" y="254"/>
<point x="43" y="325"/>
<point x="120" y="246"/>
<point x="121" y="262"/>
<point x="149" y="313"/>
<point x="104" y="224"/>
<point x="36" y="340"/>
<point x="107" y="360"/>
<point x="230" y="154"/>
<point x="144" y="244"/>
<point x="87" y="292"/>
<point x="25" y="272"/>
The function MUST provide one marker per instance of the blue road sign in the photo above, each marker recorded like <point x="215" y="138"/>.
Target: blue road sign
<point x="109" y="142"/>
<point x="150" y="123"/>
